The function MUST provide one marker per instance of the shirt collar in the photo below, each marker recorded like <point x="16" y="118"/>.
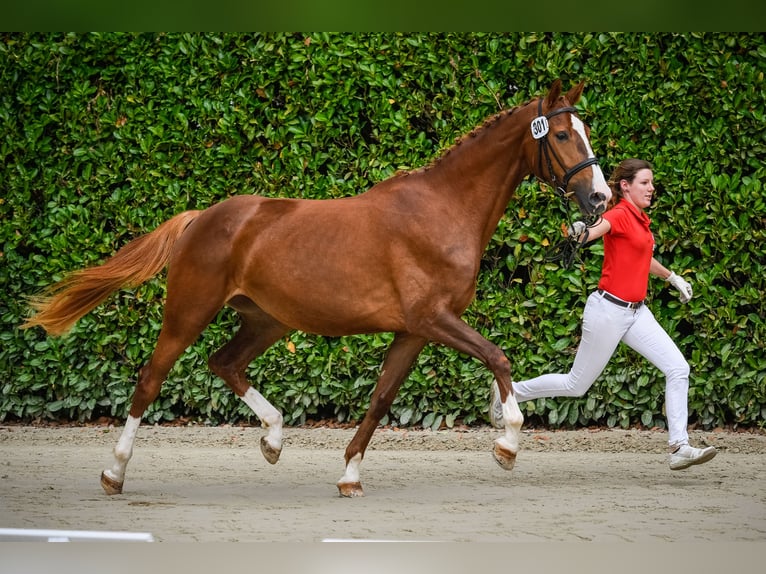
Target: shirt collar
<point x="640" y="215"/>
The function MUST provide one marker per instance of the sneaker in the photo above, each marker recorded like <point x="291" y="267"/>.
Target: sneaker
<point x="687" y="456"/>
<point x="496" y="408"/>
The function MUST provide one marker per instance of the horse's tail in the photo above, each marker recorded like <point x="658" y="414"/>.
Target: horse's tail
<point x="61" y="305"/>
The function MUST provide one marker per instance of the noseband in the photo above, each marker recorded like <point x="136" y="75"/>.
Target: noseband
<point x="547" y="151"/>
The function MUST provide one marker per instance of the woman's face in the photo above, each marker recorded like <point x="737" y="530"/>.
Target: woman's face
<point x="639" y="192"/>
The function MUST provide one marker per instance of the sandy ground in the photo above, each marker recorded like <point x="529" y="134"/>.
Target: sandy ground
<point x="212" y="484"/>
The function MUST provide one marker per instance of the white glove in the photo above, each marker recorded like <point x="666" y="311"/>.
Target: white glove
<point x="684" y="289"/>
<point x="576" y="229"/>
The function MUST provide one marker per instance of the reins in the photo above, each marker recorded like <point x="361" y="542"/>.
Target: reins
<point x="566" y="250"/>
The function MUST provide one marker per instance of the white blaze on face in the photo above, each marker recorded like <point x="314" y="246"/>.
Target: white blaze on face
<point x="599" y="183"/>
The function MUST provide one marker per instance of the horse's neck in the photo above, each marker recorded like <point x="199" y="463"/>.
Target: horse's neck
<point x="480" y="174"/>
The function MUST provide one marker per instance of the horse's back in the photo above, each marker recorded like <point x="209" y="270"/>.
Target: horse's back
<point x="348" y="221"/>
<point x="322" y="266"/>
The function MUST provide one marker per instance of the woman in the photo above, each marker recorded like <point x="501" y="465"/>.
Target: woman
<point x="616" y="312"/>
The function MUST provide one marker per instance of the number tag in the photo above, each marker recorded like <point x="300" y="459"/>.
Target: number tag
<point x="539" y="127"/>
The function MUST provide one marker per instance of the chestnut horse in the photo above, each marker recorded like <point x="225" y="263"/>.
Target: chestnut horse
<point x="403" y="257"/>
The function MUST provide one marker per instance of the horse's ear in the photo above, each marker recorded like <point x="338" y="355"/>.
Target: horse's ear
<point x="573" y="95"/>
<point x="553" y="93"/>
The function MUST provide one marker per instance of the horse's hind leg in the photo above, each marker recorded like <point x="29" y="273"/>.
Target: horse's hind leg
<point x="403" y="352"/>
<point x="181" y="326"/>
<point x="150" y="380"/>
<point x="113" y="478"/>
<point x="258" y="331"/>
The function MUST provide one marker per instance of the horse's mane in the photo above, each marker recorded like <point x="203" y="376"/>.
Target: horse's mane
<point x="488" y="122"/>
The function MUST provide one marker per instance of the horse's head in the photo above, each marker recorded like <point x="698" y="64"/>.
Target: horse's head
<point x="564" y="157"/>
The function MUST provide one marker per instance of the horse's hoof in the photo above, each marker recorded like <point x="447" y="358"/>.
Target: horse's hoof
<point x="270" y="453"/>
<point x="110" y="485"/>
<point x="350" y="489"/>
<point x="504" y="456"/>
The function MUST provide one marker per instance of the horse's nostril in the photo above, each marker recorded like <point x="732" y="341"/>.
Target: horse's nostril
<point x="597" y="197"/>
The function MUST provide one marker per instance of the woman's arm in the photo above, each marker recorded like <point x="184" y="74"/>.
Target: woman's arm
<point x="659" y="270"/>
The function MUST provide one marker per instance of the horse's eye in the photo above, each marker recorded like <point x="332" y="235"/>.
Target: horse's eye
<point x="562" y="136"/>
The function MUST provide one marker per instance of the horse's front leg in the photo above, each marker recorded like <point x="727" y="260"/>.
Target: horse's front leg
<point x="454" y="332"/>
<point x="404" y="349"/>
<point x="507" y="446"/>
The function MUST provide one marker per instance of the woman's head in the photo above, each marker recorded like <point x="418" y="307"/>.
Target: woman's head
<point x="626" y="170"/>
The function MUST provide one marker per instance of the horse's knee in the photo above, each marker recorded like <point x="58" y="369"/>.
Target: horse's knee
<point x="499" y="364"/>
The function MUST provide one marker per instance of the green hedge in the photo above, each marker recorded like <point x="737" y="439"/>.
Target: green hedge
<point x="104" y="136"/>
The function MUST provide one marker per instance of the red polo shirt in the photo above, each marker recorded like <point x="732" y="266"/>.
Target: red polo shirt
<point x="628" y="249"/>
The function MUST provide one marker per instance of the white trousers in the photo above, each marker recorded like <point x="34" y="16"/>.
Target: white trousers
<point x="604" y="325"/>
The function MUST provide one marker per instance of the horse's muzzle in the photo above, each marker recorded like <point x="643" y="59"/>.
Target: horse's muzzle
<point x="597" y="202"/>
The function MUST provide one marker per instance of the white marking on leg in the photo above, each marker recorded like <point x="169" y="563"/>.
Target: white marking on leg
<point x="270" y="417"/>
<point x="513" y="421"/>
<point x="123" y="451"/>
<point x="351" y="475"/>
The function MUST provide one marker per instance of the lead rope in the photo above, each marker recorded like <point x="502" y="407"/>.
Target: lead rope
<point x="568" y="249"/>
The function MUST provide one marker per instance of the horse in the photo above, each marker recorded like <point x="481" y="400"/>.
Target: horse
<point x="401" y="257"/>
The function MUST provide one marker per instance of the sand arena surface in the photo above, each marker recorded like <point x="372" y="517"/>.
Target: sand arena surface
<point x="212" y="484"/>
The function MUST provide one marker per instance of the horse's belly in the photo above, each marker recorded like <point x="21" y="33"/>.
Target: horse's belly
<point x="329" y="309"/>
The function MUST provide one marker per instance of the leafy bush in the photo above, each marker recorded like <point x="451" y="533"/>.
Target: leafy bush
<point x="104" y="136"/>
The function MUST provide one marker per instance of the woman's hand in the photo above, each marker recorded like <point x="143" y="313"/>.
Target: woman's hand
<point x="595" y="231"/>
<point x="684" y="288"/>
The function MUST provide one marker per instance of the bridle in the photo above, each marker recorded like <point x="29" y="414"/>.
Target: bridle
<point x="566" y="250"/>
<point x="547" y="151"/>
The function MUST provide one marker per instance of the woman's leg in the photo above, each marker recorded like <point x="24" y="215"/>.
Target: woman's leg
<point x="603" y="326"/>
<point x="648" y="338"/>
